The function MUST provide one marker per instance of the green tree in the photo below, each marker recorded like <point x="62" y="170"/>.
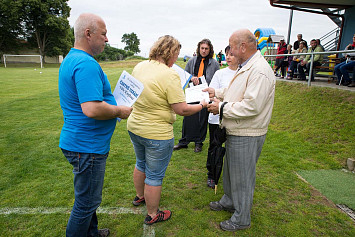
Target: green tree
<point x="46" y="25"/>
<point x="10" y="27"/>
<point x="113" y="54"/>
<point x="132" y="42"/>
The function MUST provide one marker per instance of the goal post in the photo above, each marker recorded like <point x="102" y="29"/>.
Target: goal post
<point x="5" y="56"/>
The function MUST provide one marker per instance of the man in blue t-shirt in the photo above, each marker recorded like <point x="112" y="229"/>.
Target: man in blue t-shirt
<point x="90" y="112"/>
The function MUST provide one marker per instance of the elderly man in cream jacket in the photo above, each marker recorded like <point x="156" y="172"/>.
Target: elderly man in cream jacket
<point x="245" y="108"/>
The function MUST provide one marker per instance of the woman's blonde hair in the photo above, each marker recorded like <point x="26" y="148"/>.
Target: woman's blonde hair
<point x="164" y="48"/>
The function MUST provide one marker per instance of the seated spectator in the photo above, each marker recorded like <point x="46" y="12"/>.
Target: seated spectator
<point x="296" y="59"/>
<point x="306" y="63"/>
<point x="341" y="70"/>
<point x="296" y="44"/>
<point x="281" y="49"/>
<point x="318" y="43"/>
<point x="288" y="59"/>
<point x="353" y="81"/>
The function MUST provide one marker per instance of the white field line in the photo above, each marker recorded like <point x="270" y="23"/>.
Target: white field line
<point x="148" y="231"/>
<point x="44" y="210"/>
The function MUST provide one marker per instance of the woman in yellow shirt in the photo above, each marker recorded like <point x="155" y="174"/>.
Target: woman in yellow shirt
<point x="150" y="125"/>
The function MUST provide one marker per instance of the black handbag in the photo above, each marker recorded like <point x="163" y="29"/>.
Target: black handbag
<point x="221" y="133"/>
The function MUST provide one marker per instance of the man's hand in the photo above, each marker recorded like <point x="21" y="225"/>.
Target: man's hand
<point x="195" y="80"/>
<point x="124" y="111"/>
<point x="214" y="107"/>
<point x="211" y="92"/>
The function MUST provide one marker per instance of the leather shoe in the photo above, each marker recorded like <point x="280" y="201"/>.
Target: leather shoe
<point x="346" y="83"/>
<point x="216" y="206"/>
<point x="198" y="148"/>
<point x="179" y="146"/>
<point x="228" y="225"/>
<point x="104" y="232"/>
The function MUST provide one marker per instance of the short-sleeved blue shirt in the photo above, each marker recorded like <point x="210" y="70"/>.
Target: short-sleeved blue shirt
<point x="81" y="79"/>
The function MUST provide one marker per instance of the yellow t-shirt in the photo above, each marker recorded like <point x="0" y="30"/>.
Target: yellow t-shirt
<point x="152" y="116"/>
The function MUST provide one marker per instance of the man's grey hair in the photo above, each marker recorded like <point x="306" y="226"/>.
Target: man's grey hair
<point x="250" y="38"/>
<point x="85" y="21"/>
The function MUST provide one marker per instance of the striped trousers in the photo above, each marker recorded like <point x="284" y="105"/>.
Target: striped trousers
<point x="242" y="153"/>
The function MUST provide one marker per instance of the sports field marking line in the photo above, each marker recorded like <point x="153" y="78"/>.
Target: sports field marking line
<point x="44" y="210"/>
<point x="148" y="231"/>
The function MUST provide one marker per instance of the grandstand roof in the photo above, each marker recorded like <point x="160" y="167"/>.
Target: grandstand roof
<point x="317" y="4"/>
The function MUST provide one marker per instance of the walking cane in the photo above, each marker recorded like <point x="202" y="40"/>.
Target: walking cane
<point x="347" y="60"/>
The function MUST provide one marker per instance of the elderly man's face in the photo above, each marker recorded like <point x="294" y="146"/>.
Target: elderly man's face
<point x="235" y="50"/>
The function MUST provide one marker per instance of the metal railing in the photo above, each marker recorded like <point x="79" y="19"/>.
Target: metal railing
<point x="332" y="38"/>
<point x="312" y="58"/>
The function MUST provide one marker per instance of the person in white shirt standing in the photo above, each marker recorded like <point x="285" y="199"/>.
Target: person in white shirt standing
<point x="221" y="79"/>
<point x="245" y="107"/>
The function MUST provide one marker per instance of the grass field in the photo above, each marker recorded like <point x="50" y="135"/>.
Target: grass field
<point x="311" y="129"/>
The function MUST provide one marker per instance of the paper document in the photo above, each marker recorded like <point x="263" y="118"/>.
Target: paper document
<point x="185" y="77"/>
<point x="127" y="90"/>
<point x="195" y="93"/>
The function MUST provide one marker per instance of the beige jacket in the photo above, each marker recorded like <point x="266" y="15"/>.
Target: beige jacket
<point x="250" y="98"/>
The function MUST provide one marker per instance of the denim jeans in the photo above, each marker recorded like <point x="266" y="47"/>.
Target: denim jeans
<point x="293" y="68"/>
<point x="342" y="70"/>
<point x="152" y="157"/>
<point x="89" y="172"/>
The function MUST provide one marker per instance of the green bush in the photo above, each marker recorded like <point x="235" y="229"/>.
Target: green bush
<point x="113" y="54"/>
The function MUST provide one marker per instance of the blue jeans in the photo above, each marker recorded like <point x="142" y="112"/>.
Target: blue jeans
<point x="293" y="68"/>
<point x="342" y="69"/>
<point x="152" y="157"/>
<point x="89" y="172"/>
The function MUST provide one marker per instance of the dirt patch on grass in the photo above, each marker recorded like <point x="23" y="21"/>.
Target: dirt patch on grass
<point x="215" y="224"/>
<point x="318" y="197"/>
<point x="191" y="185"/>
<point x="191" y="170"/>
<point x="333" y="152"/>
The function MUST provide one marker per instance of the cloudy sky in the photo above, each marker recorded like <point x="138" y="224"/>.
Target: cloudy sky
<point x="192" y="20"/>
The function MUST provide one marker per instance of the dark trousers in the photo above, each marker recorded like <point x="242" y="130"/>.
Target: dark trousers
<point x="280" y="63"/>
<point x="293" y="68"/>
<point x="194" y="128"/>
<point x="212" y="128"/>
<point x="307" y="67"/>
